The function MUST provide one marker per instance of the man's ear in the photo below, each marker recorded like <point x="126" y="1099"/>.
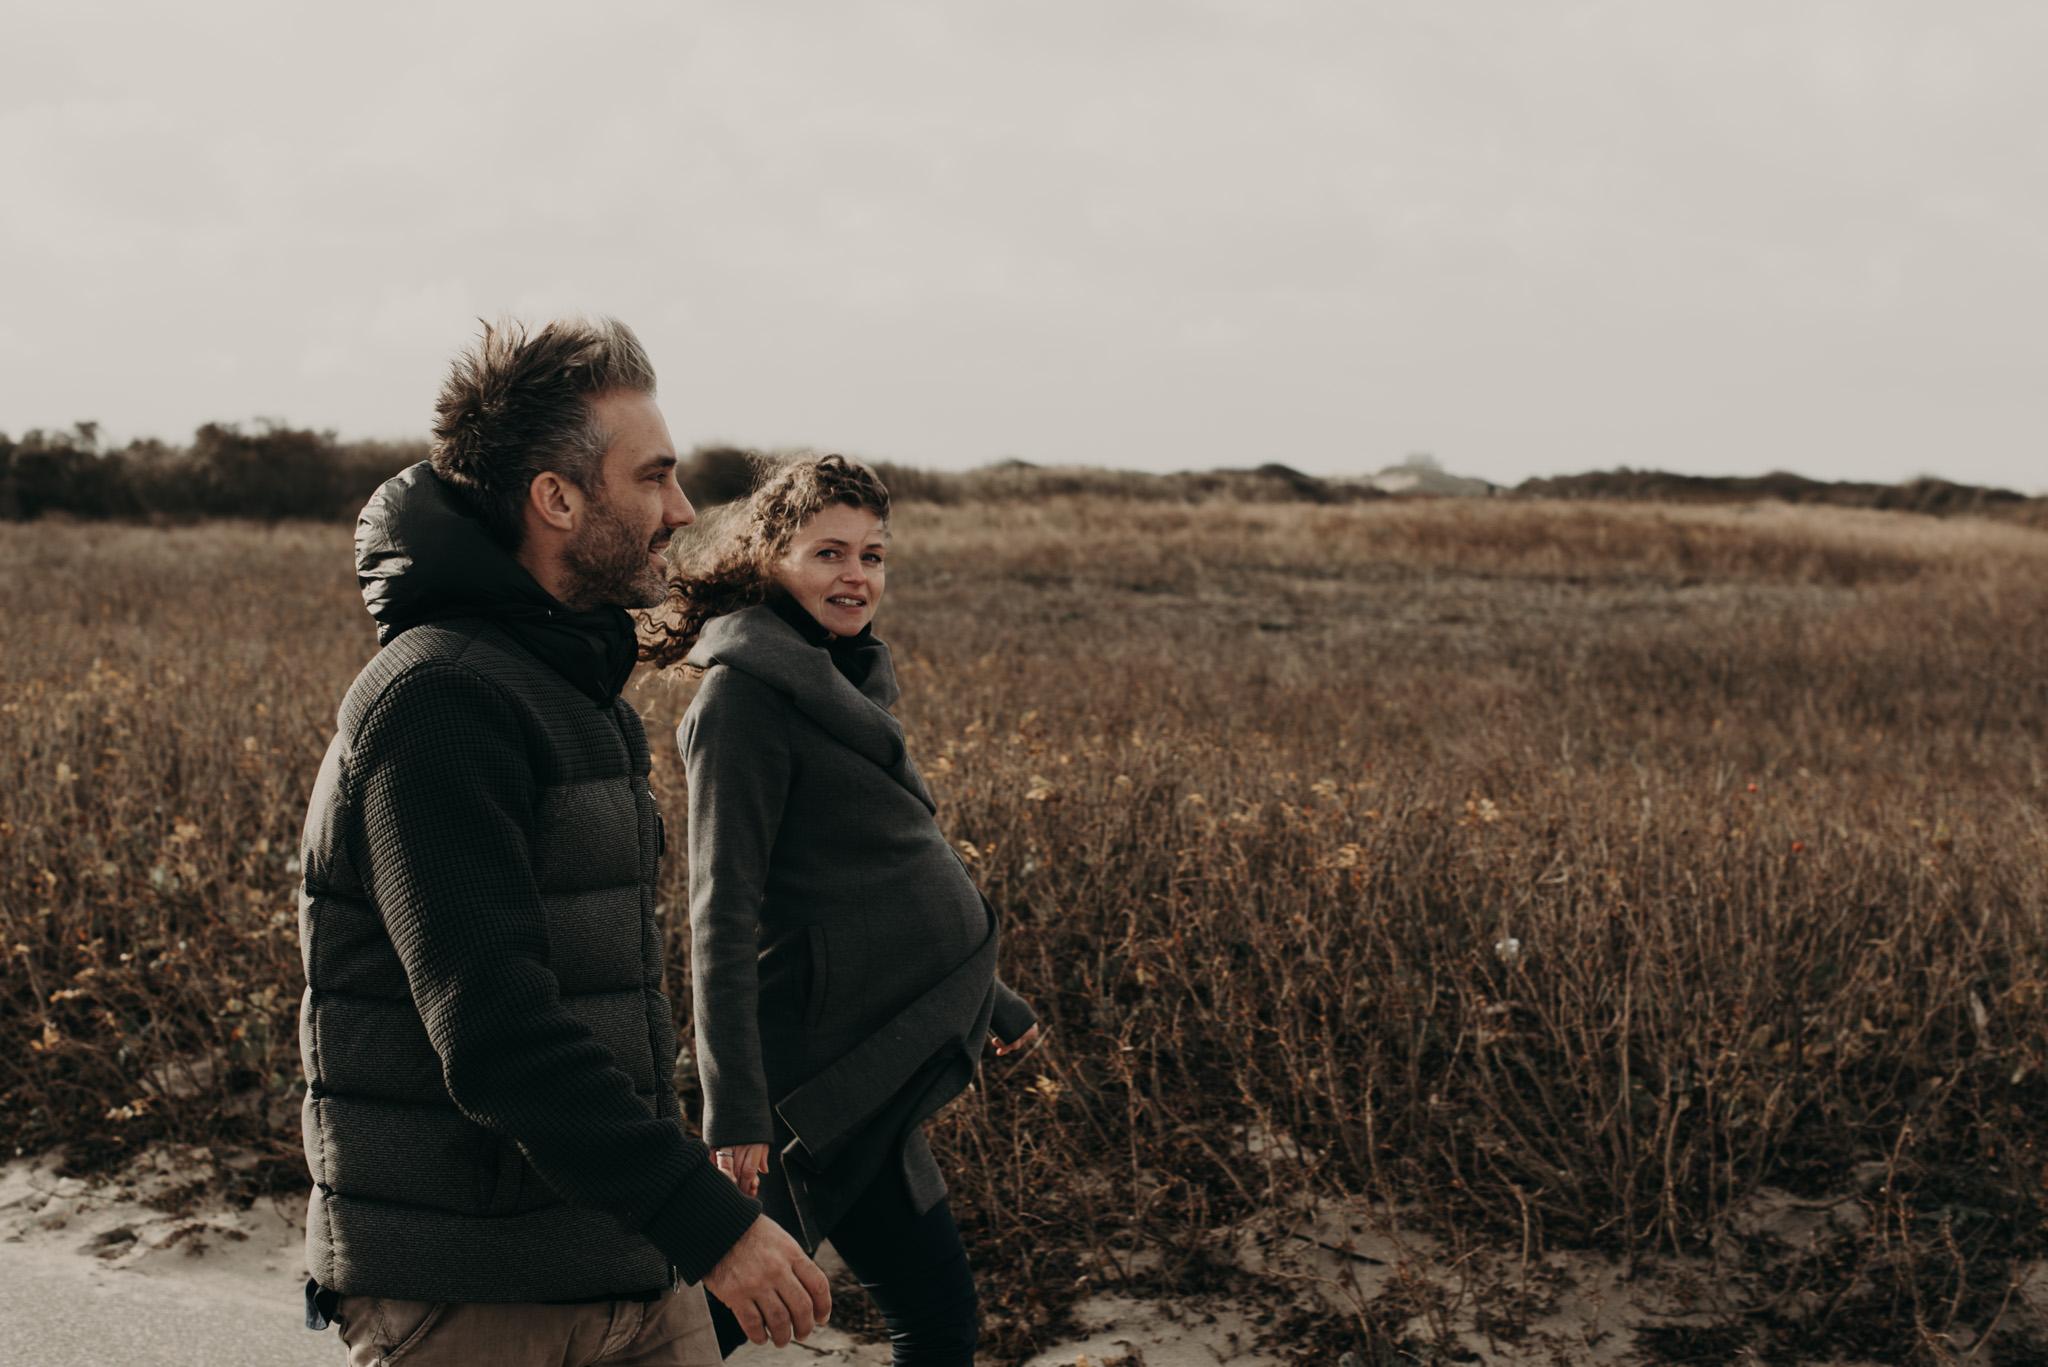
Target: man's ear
<point x="554" y="500"/>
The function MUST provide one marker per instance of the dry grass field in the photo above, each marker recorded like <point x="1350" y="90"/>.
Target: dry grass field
<point x="1563" y="873"/>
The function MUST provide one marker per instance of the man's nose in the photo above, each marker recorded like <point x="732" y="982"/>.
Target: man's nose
<point x="675" y="507"/>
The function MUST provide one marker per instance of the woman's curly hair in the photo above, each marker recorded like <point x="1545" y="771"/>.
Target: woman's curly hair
<point x="728" y="565"/>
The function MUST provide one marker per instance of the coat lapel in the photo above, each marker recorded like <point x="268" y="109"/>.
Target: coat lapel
<point x="759" y="643"/>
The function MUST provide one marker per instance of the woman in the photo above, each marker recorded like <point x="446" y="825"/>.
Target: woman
<point x="843" y="960"/>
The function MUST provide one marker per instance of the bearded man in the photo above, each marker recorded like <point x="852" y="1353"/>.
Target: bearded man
<point x="501" y="1170"/>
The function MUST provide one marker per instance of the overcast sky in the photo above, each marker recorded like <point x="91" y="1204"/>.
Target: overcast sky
<point x="1529" y="236"/>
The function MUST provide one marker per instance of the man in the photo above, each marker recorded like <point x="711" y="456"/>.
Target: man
<point x="501" y="1172"/>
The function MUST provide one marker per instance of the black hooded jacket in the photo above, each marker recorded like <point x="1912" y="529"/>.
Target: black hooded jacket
<point x="488" y="1047"/>
<point x="422" y="557"/>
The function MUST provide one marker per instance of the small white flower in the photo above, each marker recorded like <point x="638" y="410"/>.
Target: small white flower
<point x="1508" y="950"/>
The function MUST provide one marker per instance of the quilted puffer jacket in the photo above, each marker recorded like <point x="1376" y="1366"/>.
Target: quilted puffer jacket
<point x="488" y="1047"/>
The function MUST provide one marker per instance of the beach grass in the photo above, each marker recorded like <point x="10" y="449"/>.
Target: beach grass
<point x="1562" y="873"/>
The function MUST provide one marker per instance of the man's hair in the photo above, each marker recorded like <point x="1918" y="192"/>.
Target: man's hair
<point x="517" y="404"/>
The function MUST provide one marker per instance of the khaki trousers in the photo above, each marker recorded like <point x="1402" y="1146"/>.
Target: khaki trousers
<point x="674" y="1331"/>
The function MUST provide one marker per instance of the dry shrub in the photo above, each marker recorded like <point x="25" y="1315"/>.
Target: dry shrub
<point x="1570" y="870"/>
<point x="165" y="700"/>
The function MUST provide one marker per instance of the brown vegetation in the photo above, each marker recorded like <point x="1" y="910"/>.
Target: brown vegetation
<point x="1569" y="870"/>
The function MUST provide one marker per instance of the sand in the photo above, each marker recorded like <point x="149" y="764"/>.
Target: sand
<point x="92" y="1272"/>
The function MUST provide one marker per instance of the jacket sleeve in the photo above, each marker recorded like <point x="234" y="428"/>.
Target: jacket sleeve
<point x="1012" y="1015"/>
<point x="447" y="792"/>
<point x="735" y="745"/>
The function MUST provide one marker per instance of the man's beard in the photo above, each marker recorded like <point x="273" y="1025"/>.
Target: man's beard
<point x="608" y="563"/>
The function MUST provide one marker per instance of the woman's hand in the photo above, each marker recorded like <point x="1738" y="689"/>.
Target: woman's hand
<point x="1022" y="1044"/>
<point x="744" y="1164"/>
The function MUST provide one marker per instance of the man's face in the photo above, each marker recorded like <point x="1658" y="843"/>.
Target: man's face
<point x="632" y="511"/>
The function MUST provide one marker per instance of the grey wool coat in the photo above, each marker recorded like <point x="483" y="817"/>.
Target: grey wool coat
<point x="489" y="1114"/>
<point x="844" y="963"/>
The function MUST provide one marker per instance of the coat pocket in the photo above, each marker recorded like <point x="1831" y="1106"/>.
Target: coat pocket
<point x="511" y="1170"/>
<point x="821" y="979"/>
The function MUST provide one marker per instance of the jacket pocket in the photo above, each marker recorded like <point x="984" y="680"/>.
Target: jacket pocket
<point x="511" y="1170"/>
<point x="400" y="1311"/>
<point x="821" y="979"/>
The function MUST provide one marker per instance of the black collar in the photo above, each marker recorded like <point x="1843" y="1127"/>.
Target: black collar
<point x="422" y="556"/>
<point x="851" y="655"/>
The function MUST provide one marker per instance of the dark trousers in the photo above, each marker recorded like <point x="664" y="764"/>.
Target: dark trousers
<point x="914" y="1267"/>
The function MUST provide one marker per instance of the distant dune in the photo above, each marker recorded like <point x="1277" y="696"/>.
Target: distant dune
<point x="1924" y="495"/>
<point x="277" y="473"/>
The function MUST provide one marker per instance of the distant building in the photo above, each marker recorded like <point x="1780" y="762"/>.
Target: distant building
<point x="1422" y="474"/>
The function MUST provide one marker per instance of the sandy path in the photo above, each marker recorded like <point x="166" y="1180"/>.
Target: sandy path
<point x="92" y="1275"/>
<point x="72" y="1311"/>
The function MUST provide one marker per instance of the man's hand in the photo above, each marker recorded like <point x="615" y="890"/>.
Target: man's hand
<point x="744" y="1164"/>
<point x="770" y="1286"/>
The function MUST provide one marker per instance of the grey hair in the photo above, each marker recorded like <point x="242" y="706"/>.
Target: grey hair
<point x="516" y="404"/>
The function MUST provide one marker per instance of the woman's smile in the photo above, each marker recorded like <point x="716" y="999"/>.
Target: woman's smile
<point x="834" y="568"/>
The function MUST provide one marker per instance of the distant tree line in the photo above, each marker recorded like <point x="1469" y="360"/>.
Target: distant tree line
<point x="719" y="474"/>
<point x="272" y="473"/>
<point x="276" y="472"/>
<point x="1011" y="480"/>
<point x="1273" y="483"/>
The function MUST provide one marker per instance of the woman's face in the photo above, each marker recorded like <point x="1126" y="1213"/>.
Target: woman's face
<point x="833" y="568"/>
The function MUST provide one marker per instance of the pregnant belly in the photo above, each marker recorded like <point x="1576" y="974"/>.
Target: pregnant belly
<point x="865" y="971"/>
